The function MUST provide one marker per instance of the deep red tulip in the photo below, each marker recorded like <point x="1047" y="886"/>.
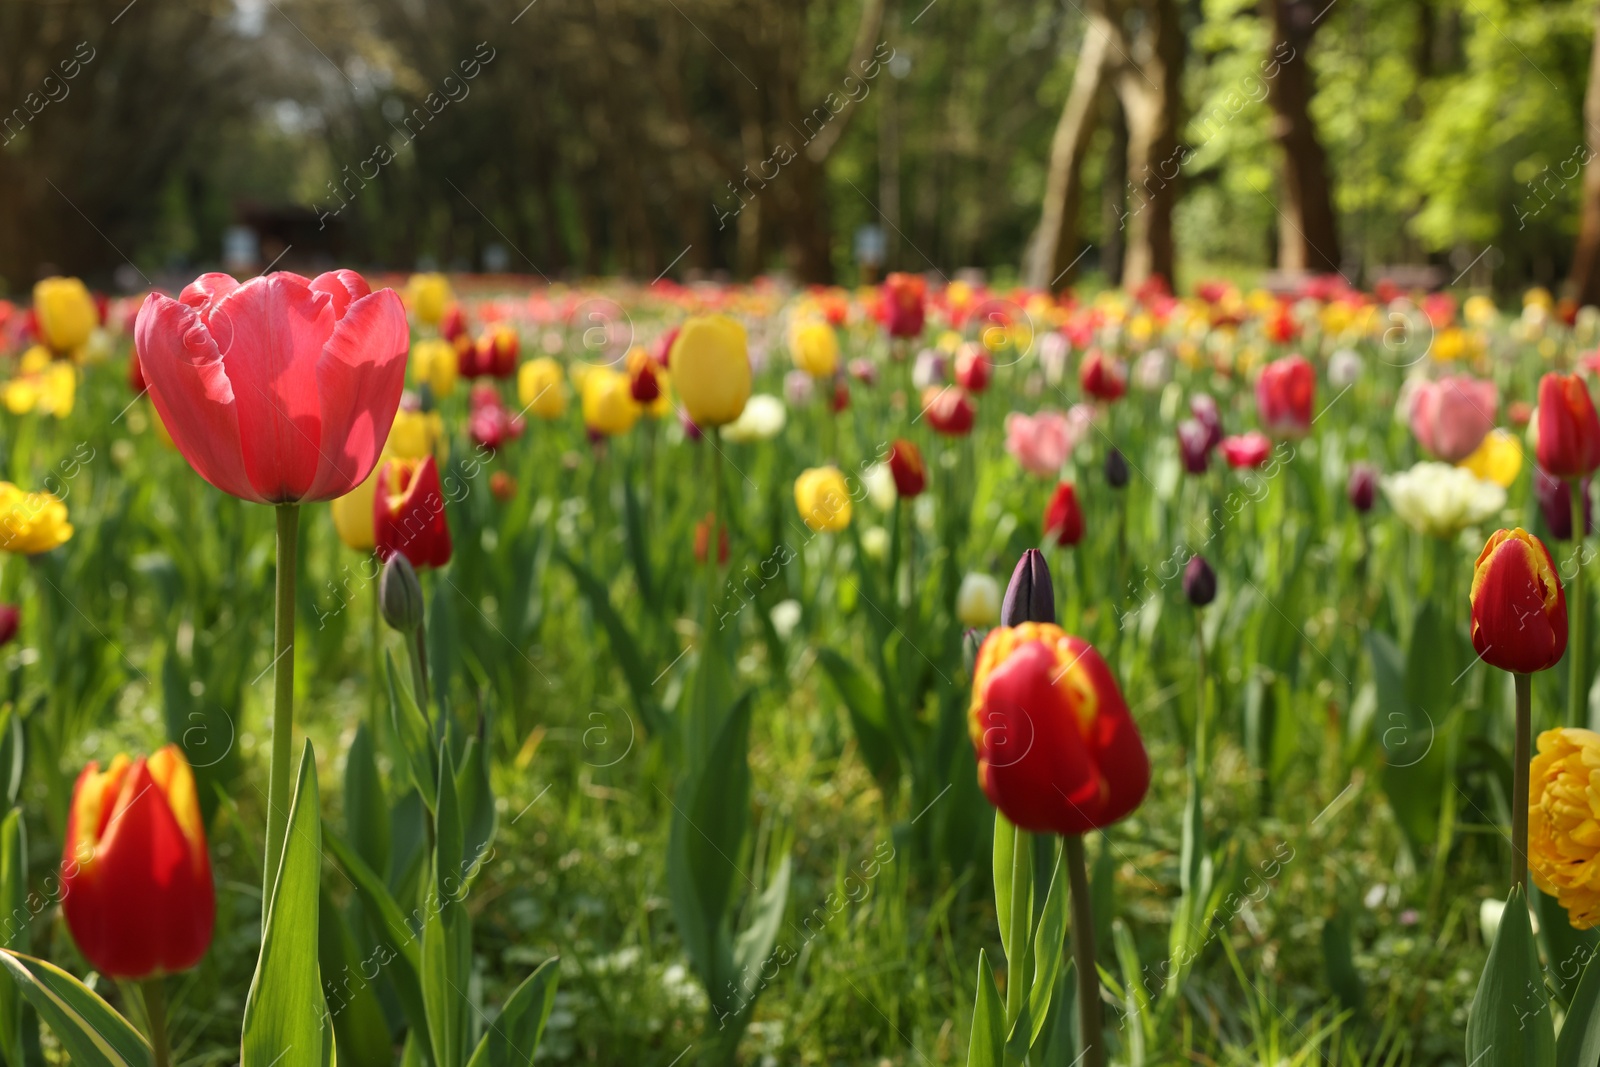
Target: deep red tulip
<point x="840" y="401"/>
<point x="1363" y="487"/>
<point x="905" y="464"/>
<point x="949" y="410"/>
<point x="1519" y="610"/>
<point x="10" y="622"/>
<point x="1057" y="750"/>
<point x="1284" y="393"/>
<point x="1102" y="376"/>
<point x="974" y="369"/>
<point x="1555" y="503"/>
<point x="1246" y="450"/>
<point x="1569" y="432"/>
<point x="702" y="539"/>
<point x="643" y="385"/>
<point x="454" y="323"/>
<point x="135" y="874"/>
<point x="1203" y="406"/>
<point x="904" y="304"/>
<point x="280" y="389"/>
<point x="408" y="513"/>
<point x="1194" y="446"/>
<point x="1063" y="518"/>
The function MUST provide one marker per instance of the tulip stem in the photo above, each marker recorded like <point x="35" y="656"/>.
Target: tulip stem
<point x="282" y="696"/>
<point x="155" y="1010"/>
<point x="1519" y="782"/>
<point x="1578" y="647"/>
<point x="1089" y="1036"/>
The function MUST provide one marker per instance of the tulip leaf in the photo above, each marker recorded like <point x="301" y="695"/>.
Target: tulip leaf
<point x="1013" y="897"/>
<point x="366" y="810"/>
<point x="90" y="1030"/>
<point x="1567" y="950"/>
<point x="285" y="1016"/>
<point x="416" y="739"/>
<point x="513" y="1036"/>
<point x="986" y="1048"/>
<point x="864" y="703"/>
<point x="478" y="817"/>
<point x="1048" y="943"/>
<point x="358" y="1023"/>
<point x="399" y="941"/>
<point x="1579" y="1043"/>
<point x="14" y="932"/>
<point x="1509" y="1023"/>
<point x="624" y="646"/>
<point x="446" y="933"/>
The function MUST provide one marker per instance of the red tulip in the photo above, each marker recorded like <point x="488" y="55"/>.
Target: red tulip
<point x="454" y="323"/>
<point x="1063" y="518"/>
<point x="1101" y="376"/>
<point x="974" y="369"/>
<point x="1203" y="406"/>
<point x="1362" y="487"/>
<point x="280" y="389"/>
<point x="643" y="385"/>
<point x="135" y="875"/>
<point x="1453" y="415"/>
<point x="502" y="485"/>
<point x="495" y="354"/>
<point x="905" y="464"/>
<point x="1519" y="610"/>
<point x="840" y="401"/>
<point x="10" y="622"/>
<point x="1057" y="750"/>
<point x="491" y="426"/>
<point x="1247" y="450"/>
<point x="1194" y="446"/>
<point x="702" y="539"/>
<point x="1283" y="396"/>
<point x="1569" y="432"/>
<point x="949" y="410"/>
<point x="904" y="304"/>
<point x="408" y="513"/>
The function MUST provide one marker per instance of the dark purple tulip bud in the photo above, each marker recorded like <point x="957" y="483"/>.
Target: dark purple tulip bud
<point x="1031" y="596"/>
<point x="1199" y="582"/>
<point x="1116" y="469"/>
<point x="1555" y="503"/>
<point x="1363" y="487"/>
<point x="1204" y="408"/>
<point x="1194" y="444"/>
<point x="10" y="620"/>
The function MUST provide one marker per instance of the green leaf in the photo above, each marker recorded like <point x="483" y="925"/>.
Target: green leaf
<point x="14" y="930"/>
<point x="1338" y="960"/>
<point x="358" y="1022"/>
<point x="864" y="703"/>
<point x="1567" y="950"/>
<point x="1411" y="775"/>
<point x="513" y="1036"/>
<point x="987" y="1045"/>
<point x="478" y="817"/>
<point x="90" y="1030"/>
<point x="1049" y="943"/>
<point x="1509" y="1023"/>
<point x="284" y="1015"/>
<point x="416" y="738"/>
<point x="1013" y="896"/>
<point x="399" y="944"/>
<point x="446" y="932"/>
<point x="366" y="809"/>
<point x="1579" y="1043"/>
<point x="754" y="944"/>
<point x="624" y="646"/>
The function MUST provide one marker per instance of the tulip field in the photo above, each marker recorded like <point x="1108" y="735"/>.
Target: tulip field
<point x="470" y="671"/>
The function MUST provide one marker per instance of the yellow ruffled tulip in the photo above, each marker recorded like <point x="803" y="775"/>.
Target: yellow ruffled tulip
<point x="1498" y="459"/>
<point x="710" y="365"/>
<point x="608" y="404"/>
<point x="31" y="523"/>
<point x="1564" y="822"/>
<point x="823" y="497"/>
<point x="815" y="348"/>
<point x="352" y="515"/>
<point x="65" y="313"/>
<point x="434" y="363"/>
<point x="542" y="388"/>
<point x="429" y="296"/>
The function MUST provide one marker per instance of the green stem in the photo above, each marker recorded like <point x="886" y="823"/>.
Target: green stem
<point x="1519" y="782"/>
<point x="1200" y="695"/>
<point x="155" y="1010"/>
<point x="1578" y="645"/>
<point x="375" y="693"/>
<point x="1089" y="1036"/>
<point x="282" y="695"/>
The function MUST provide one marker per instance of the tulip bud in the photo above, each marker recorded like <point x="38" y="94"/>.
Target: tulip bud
<point x="1199" y="582"/>
<point x="905" y="464"/>
<point x="10" y="622"/>
<point x="1063" y="518"/>
<point x="841" y="395"/>
<point x="1031" y="596"/>
<point x="1569" y="431"/>
<point x="1363" y="487"/>
<point x="1519" y="610"/>
<point x="949" y="410"/>
<point x="1555" y="503"/>
<point x="400" y="595"/>
<point x="1203" y="406"/>
<point x="502" y="485"/>
<point x="702" y="539"/>
<point x="1116" y="469"/>
<point x="1194" y="445"/>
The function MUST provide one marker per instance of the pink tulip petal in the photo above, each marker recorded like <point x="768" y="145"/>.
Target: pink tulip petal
<point x="271" y="331"/>
<point x="360" y="377"/>
<point x="190" y="389"/>
<point x="344" y="286"/>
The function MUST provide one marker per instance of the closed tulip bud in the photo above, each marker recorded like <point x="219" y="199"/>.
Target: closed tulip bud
<point x="1363" y="487"/>
<point x="702" y="539"/>
<point x="64" y="314"/>
<point x="136" y="884"/>
<point x="1569" y="431"/>
<point x="1519" y="610"/>
<point x="1116" y="469"/>
<point x="1246" y="451"/>
<point x="823" y="498"/>
<point x="1555" y="504"/>
<point x="1203" y="406"/>
<point x="905" y="464"/>
<point x="1063" y="518"/>
<point x="711" y="369"/>
<point x="643" y="383"/>
<point x="1199" y="582"/>
<point x="978" y="601"/>
<point x="1057" y="750"/>
<point x="408" y="513"/>
<point x="903" y="304"/>
<point x="1284" y="394"/>
<point x="454" y="323"/>
<point x="840" y="401"/>
<point x="502" y="486"/>
<point x="815" y="348"/>
<point x="1031" y="596"/>
<point x="1102" y="376"/>
<point x="497" y="352"/>
<point x="10" y="622"/>
<point x="429" y="297"/>
<point x="542" y="388"/>
<point x="435" y="364"/>
<point x="974" y="369"/>
<point x="608" y="405"/>
<point x="949" y="410"/>
<point x="400" y="594"/>
<point x="1194" y="446"/>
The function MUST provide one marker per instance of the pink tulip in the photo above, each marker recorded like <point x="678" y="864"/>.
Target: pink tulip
<point x="1042" y="442"/>
<point x="1246" y="450"/>
<point x="1453" y="415"/>
<point x="281" y="389"/>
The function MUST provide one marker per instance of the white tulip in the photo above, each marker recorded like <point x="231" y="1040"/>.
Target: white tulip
<point x="762" y="419"/>
<point x="978" y="601"/>
<point x="1442" y="500"/>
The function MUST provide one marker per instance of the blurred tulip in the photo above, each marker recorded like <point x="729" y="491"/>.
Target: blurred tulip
<point x="64" y="314"/>
<point x="1344" y="368"/>
<point x="31" y="523"/>
<point x="702" y="540"/>
<point x="1451" y="417"/>
<point x="1063" y="518"/>
<point x="1497" y="459"/>
<point x="434" y="364"/>
<point x="352" y="515"/>
<point x="416" y="433"/>
<point x="823" y="498"/>
<point x="408" y="513"/>
<point x="136" y="886"/>
<point x="1555" y="504"/>
<point x="1519" y="611"/>
<point x="428" y="296"/>
<point x="1031" y="596"/>
<point x="1199" y="582"/>
<point x="1203" y="406"/>
<point x="1247" y="450"/>
<point x="799" y="388"/>
<point x="608" y="405"/>
<point x="905" y="465"/>
<point x="491" y="425"/>
<point x="1194" y="446"/>
<point x="949" y="410"/>
<point x="502" y="486"/>
<point x="711" y="369"/>
<point x="815" y="348"/>
<point x="904" y="304"/>
<point x="644" y="382"/>
<point x="453" y="325"/>
<point x="978" y="601"/>
<point x="1441" y="500"/>
<point x="974" y="369"/>
<point x="928" y="370"/>
<point x="1569" y="432"/>
<point x="10" y="623"/>
<point x="278" y="390"/>
<point x="494" y="356"/>
<point x="864" y="371"/>
<point x="542" y="388"/>
<point x="839" y="402"/>
<point x="1116" y="469"/>
<point x="1284" y="394"/>
<point x="1057" y="750"/>
<point x="1041" y="442"/>
<point x="1362" y="488"/>
<point x="762" y="419"/>
<point x="1101" y="376"/>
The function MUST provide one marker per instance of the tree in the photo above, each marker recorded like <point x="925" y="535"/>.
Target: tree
<point x="1308" y="237"/>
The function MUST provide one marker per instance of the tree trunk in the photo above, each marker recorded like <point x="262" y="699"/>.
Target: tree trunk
<point x="1151" y="91"/>
<point x="1584" y="282"/>
<point x="1054" y="248"/>
<point x="1308" y="237"/>
<point x="1114" y="189"/>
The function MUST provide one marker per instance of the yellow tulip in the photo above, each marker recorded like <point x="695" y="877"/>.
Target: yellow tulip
<point x="434" y="363"/>
<point x="711" y="368"/>
<point x="608" y="404"/>
<point x="429" y="297"/>
<point x="542" y="389"/>
<point x="31" y="523"/>
<point x="823" y="497"/>
<point x="1498" y="459"/>
<point x="1479" y="310"/>
<point x="815" y="348"/>
<point x="50" y="391"/>
<point x="416" y="434"/>
<point x="352" y="515"/>
<point x="1564" y="822"/>
<point x="65" y="313"/>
